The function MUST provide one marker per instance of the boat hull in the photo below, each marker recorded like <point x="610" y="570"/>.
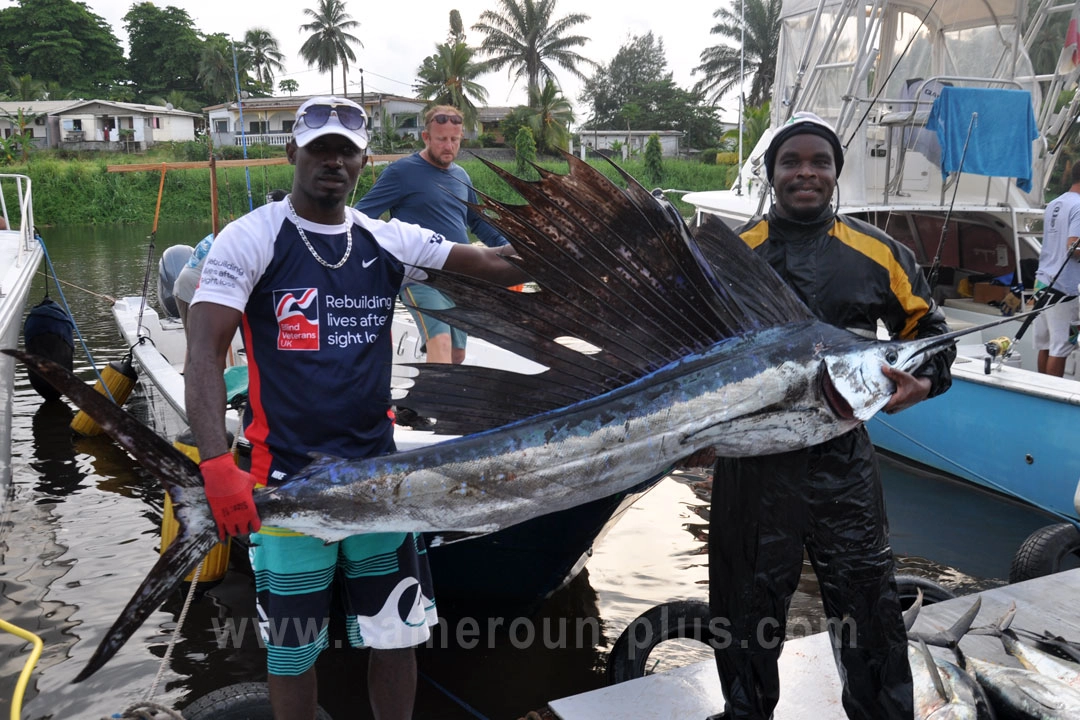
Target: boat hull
<point x="20" y="257"/>
<point x="1009" y="432"/>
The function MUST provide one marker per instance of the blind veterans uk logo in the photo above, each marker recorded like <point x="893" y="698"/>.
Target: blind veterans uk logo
<point x="297" y="313"/>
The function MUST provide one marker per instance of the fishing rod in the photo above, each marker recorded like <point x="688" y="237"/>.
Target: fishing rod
<point x="935" y="266"/>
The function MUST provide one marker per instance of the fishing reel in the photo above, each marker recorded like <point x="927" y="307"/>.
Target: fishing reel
<point x="996" y="348"/>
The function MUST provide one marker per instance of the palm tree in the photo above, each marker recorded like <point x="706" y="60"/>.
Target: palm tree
<point x="720" y="64"/>
<point x="449" y="78"/>
<point x="25" y="87"/>
<point x="551" y="117"/>
<point x="216" y="68"/>
<point x="525" y="38"/>
<point x="329" y="42"/>
<point x="266" y="58"/>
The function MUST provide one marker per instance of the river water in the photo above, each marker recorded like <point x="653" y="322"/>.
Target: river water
<point x="79" y="529"/>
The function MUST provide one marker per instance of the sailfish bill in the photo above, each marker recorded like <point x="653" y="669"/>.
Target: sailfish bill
<point x="695" y="343"/>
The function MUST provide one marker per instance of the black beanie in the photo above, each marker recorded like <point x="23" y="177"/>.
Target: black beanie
<point x="803" y="122"/>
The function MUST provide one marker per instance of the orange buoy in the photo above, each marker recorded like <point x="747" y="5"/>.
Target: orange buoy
<point x="119" y="376"/>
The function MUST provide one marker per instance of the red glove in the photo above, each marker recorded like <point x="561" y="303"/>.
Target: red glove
<point x="229" y="492"/>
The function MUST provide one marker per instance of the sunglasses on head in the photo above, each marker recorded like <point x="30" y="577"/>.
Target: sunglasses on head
<point x="443" y="118"/>
<point x="315" y="116"/>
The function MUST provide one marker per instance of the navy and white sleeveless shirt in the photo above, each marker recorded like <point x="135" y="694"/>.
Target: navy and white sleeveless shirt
<point x="318" y="340"/>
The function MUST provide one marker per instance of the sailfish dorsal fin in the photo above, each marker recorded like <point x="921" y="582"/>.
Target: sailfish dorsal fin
<point x="618" y="273"/>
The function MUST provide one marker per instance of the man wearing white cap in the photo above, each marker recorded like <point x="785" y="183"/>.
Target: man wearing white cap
<point x="312" y="283"/>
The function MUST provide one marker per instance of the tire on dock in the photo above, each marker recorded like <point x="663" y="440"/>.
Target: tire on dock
<point x="1046" y="551"/>
<point x="687" y="619"/>
<point x="243" y="701"/>
<point x="908" y="587"/>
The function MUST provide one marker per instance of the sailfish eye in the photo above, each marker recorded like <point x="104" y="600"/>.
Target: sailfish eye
<point x="891" y="356"/>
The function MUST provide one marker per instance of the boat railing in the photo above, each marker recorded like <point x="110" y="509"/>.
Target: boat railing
<point x="911" y="117"/>
<point x="26" y="212"/>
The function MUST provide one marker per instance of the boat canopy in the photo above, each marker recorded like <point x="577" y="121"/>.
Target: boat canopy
<point x="873" y="68"/>
<point x="839" y="57"/>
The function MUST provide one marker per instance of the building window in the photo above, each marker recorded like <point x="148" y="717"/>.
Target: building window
<point x="221" y="126"/>
<point x="287" y="125"/>
<point x="257" y="127"/>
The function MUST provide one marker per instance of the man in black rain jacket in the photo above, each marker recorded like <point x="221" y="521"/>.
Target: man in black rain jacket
<point x="827" y="498"/>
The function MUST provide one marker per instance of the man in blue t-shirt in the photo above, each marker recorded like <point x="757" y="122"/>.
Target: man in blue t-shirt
<point x="429" y="189"/>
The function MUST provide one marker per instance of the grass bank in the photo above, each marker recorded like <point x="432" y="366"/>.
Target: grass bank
<point x="79" y="190"/>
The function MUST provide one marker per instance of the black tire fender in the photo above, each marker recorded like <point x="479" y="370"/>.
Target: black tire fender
<point x="243" y="701"/>
<point x="908" y="587"/>
<point x="678" y="619"/>
<point x="1044" y="551"/>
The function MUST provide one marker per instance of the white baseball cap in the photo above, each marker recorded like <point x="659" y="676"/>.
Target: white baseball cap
<point x="327" y="115"/>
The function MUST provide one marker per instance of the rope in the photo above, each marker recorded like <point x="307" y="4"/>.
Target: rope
<point x="107" y="298"/>
<point x="75" y="325"/>
<point x="147" y="711"/>
<point x="461" y="703"/>
<point x="176" y="633"/>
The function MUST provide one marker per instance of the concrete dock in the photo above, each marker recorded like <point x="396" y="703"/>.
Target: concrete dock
<point x="810" y="687"/>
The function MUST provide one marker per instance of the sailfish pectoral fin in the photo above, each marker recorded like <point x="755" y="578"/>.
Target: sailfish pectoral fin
<point x="164" y="578"/>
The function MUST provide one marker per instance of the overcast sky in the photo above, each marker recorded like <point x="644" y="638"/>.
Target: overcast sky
<point x="398" y="36"/>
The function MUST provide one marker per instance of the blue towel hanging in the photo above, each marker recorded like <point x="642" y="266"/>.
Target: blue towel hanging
<point x="1001" y="139"/>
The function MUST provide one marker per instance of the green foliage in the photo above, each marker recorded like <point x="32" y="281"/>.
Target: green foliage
<point x="550" y="115"/>
<point x="288" y="85"/>
<point x="386" y="140"/>
<point x="525" y="153"/>
<point x="526" y="37"/>
<point x="756" y="121"/>
<point x="636" y="92"/>
<point x="60" y="41"/>
<point x="163" y="50"/>
<point x="722" y="66"/>
<point x="75" y="188"/>
<point x="261" y="47"/>
<point x="681" y="174"/>
<point x="329" y="42"/>
<point x="514" y="121"/>
<point x="487" y="139"/>
<point x="654" y="161"/>
<point x="722" y="158"/>
<point x="449" y="78"/>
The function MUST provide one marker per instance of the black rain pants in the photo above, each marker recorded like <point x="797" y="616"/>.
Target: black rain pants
<point x="765" y="510"/>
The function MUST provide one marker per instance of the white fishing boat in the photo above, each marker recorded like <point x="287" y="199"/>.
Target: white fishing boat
<point x="878" y="70"/>
<point x="20" y="256"/>
<point x="510" y="571"/>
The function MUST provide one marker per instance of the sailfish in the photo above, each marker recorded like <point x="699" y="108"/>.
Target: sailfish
<point x="691" y="342"/>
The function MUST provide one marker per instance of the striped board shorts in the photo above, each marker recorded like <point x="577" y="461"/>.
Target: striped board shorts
<point x="386" y="587"/>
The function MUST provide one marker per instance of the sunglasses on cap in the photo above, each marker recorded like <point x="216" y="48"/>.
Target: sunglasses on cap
<point x="443" y="118"/>
<point x="315" y="116"/>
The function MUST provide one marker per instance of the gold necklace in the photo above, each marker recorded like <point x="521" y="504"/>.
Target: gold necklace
<point x="303" y="236"/>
